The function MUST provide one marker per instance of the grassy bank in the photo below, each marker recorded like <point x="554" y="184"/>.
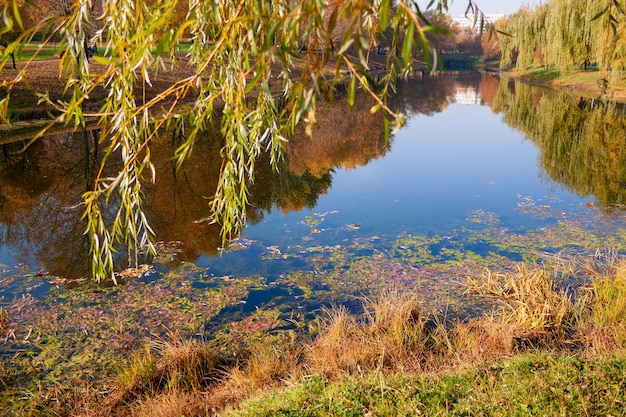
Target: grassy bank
<point x="542" y="349"/>
<point x="589" y="83"/>
<point x="532" y="384"/>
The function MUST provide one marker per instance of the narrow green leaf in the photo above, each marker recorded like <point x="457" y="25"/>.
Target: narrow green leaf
<point x="16" y="15"/>
<point x="8" y="22"/>
<point x="351" y="91"/>
<point x="346" y="46"/>
<point x="387" y="128"/>
<point x="436" y="30"/>
<point x="384" y="14"/>
<point x="407" y="44"/>
<point x="600" y="14"/>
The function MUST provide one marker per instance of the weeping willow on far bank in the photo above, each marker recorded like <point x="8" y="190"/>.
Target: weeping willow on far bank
<point x="565" y="34"/>
<point x="258" y="70"/>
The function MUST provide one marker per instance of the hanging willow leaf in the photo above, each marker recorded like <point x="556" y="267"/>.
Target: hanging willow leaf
<point x="407" y="44"/>
<point x="600" y="14"/>
<point x="16" y="15"/>
<point x="351" y="91"/>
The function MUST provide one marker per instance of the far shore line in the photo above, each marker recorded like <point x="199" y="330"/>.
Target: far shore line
<point x="591" y="84"/>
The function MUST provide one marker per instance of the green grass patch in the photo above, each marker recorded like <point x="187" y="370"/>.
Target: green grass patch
<point x="37" y="51"/>
<point x="536" y="384"/>
<point x="542" y="73"/>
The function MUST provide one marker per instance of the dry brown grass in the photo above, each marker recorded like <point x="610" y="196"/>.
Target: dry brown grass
<point x="158" y="379"/>
<point x="391" y="333"/>
<point x="265" y="366"/>
<point x="4" y="319"/>
<point x="179" y="377"/>
<point x="173" y="403"/>
<point x="528" y="303"/>
<point x="464" y="343"/>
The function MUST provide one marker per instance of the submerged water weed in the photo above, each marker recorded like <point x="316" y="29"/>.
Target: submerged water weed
<point x="415" y="248"/>
<point x="82" y="333"/>
<point x="483" y="217"/>
<point x="236" y="333"/>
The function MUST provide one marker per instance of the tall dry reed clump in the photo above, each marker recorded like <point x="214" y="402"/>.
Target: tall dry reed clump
<point x="391" y="333"/>
<point x="264" y="365"/>
<point x="528" y="311"/>
<point x="185" y="377"/>
<point x="168" y="378"/>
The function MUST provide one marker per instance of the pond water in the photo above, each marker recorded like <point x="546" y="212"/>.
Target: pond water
<point x="453" y="176"/>
<point x="487" y="172"/>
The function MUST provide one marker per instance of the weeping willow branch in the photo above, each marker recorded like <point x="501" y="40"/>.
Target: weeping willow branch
<point x="263" y="64"/>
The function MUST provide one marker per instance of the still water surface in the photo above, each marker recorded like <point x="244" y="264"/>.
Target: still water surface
<point x="450" y="174"/>
<point x="484" y="168"/>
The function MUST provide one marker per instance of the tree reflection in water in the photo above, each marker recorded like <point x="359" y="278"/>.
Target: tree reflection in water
<point x="581" y="144"/>
<point x="581" y="140"/>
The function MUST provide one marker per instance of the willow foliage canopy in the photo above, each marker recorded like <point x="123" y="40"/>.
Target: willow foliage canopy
<point x="259" y="69"/>
<point x="562" y="34"/>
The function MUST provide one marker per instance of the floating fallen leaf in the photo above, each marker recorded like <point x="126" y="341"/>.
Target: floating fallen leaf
<point x="355" y="226"/>
<point x="589" y="203"/>
<point x="274" y="249"/>
<point x="58" y="280"/>
<point x="135" y="272"/>
<point x="311" y="221"/>
<point x="326" y="213"/>
<point x="313" y="230"/>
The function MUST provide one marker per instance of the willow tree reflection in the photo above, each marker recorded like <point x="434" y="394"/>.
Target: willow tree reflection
<point x="581" y="139"/>
<point x="39" y="192"/>
<point x="178" y="202"/>
<point x="41" y="189"/>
